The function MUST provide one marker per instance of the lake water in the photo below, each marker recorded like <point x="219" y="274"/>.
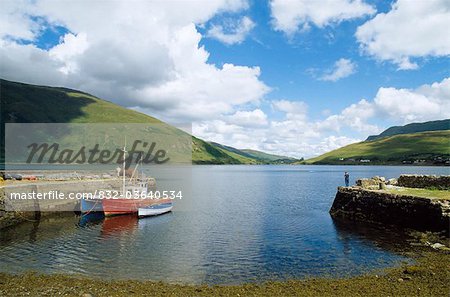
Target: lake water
<point x="245" y="223"/>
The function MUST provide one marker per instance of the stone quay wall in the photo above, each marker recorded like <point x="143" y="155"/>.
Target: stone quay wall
<point x="418" y="213"/>
<point x="33" y="209"/>
<point x="441" y="182"/>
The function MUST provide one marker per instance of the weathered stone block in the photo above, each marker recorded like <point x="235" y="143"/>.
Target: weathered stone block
<point x="424" y="181"/>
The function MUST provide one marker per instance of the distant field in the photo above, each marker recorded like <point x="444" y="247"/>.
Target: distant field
<point x="395" y="149"/>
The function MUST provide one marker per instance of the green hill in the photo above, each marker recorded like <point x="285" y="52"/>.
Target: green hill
<point x="432" y="148"/>
<point x="413" y="128"/>
<point x="25" y="103"/>
<point x="253" y="156"/>
<point x="265" y="157"/>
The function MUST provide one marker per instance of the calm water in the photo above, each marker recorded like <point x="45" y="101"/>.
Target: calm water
<point x="245" y="223"/>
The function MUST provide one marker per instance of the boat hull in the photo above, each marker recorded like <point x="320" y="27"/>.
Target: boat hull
<point x="154" y="210"/>
<point x="121" y="206"/>
<point x="91" y="205"/>
<point x="112" y="207"/>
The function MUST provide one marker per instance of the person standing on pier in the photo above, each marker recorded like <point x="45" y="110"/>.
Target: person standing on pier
<point x="347" y="178"/>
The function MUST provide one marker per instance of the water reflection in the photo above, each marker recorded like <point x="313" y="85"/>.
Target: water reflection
<point x="117" y="225"/>
<point x="389" y="238"/>
<point x="92" y="218"/>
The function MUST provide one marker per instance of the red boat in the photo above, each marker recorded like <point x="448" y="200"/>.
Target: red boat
<point x="126" y="203"/>
<point x="121" y="206"/>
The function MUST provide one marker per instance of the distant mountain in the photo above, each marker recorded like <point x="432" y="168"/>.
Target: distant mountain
<point x="422" y="148"/>
<point x="265" y="157"/>
<point x="254" y="156"/>
<point x="25" y="103"/>
<point x="413" y="128"/>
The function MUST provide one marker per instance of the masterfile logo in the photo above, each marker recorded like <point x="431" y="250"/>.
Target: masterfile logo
<point x="87" y="146"/>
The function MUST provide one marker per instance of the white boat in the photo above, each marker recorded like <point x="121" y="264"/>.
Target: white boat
<point x="155" y="209"/>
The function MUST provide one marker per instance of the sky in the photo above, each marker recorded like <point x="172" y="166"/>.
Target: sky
<point x="291" y="77"/>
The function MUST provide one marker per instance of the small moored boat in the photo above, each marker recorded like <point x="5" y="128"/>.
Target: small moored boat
<point x="155" y="209"/>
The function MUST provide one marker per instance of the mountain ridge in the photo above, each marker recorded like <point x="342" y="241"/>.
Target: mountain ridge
<point x="27" y="103"/>
<point x="437" y="125"/>
<point x="421" y="148"/>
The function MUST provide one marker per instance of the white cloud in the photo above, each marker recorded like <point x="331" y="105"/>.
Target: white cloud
<point x="201" y="90"/>
<point x="293" y="135"/>
<point x="342" y="68"/>
<point x="355" y="116"/>
<point x="15" y="22"/>
<point x="290" y="16"/>
<point x="334" y="142"/>
<point x="148" y="56"/>
<point x="70" y="47"/>
<point x="299" y="136"/>
<point x="254" y="118"/>
<point x="293" y="109"/>
<point x="232" y="32"/>
<point x="428" y="102"/>
<point x="410" y="29"/>
<point x="290" y="136"/>
<point x="141" y="54"/>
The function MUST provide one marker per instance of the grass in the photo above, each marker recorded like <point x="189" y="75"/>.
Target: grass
<point x="101" y="111"/>
<point x="24" y="103"/>
<point x="427" y="193"/>
<point x="393" y="149"/>
<point x="247" y="156"/>
<point x="429" y="276"/>
<point x="413" y="128"/>
<point x="268" y="157"/>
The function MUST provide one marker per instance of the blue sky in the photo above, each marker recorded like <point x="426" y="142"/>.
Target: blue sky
<point x="287" y="63"/>
<point x="297" y="78"/>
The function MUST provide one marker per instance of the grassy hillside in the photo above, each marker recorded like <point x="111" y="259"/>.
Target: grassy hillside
<point x="419" y="148"/>
<point x="413" y="128"/>
<point x="253" y="156"/>
<point x="268" y="157"/>
<point x="205" y="153"/>
<point x="24" y="103"/>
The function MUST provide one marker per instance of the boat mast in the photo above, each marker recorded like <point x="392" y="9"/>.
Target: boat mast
<point x="123" y="169"/>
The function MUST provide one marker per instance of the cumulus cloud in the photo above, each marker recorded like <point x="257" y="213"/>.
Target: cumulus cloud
<point x="427" y="102"/>
<point x="293" y="109"/>
<point x="70" y="47"/>
<point x="254" y="118"/>
<point x="409" y="30"/>
<point x="355" y="117"/>
<point x="15" y="22"/>
<point x="202" y="90"/>
<point x="290" y="16"/>
<point x="296" y="134"/>
<point x="293" y="135"/>
<point x="342" y="68"/>
<point x="232" y="32"/>
<point x="148" y="56"/>
<point x="333" y="142"/>
<point x="141" y="54"/>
